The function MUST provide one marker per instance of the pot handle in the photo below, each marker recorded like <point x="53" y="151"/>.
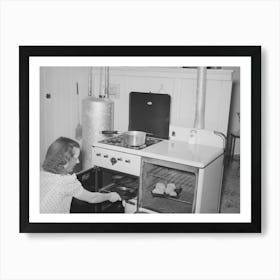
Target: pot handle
<point x="109" y="132"/>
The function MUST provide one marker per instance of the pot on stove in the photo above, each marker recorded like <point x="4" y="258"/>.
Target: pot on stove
<point x="135" y="138"/>
<point x="131" y="138"/>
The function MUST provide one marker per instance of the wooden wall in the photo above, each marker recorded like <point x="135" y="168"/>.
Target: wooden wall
<point x="59" y="113"/>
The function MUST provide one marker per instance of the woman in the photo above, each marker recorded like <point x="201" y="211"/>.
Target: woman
<point x="59" y="185"/>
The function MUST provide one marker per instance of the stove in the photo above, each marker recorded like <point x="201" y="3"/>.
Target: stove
<point x="119" y="141"/>
<point x="121" y="161"/>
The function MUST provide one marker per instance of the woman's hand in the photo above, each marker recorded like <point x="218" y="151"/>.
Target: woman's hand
<point x="113" y="197"/>
<point x="96" y="197"/>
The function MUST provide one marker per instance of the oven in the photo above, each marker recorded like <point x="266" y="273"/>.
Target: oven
<point x="168" y="176"/>
<point x="167" y="187"/>
<point x="126" y="185"/>
<point x="120" y="170"/>
<point x="104" y="180"/>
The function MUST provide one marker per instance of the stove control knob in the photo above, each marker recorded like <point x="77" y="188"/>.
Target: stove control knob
<point x="113" y="160"/>
<point x="127" y="160"/>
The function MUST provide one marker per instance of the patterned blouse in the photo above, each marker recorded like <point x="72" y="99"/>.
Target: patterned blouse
<point x="56" y="192"/>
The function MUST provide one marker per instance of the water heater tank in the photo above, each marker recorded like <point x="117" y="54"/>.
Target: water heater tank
<point x="97" y="115"/>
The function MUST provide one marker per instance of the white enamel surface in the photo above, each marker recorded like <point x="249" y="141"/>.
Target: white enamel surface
<point x="209" y="187"/>
<point x="118" y="149"/>
<point x="202" y="136"/>
<point x="184" y="153"/>
<point x="127" y="163"/>
<point x="174" y="151"/>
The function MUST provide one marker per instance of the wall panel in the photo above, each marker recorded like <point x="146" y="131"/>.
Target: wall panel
<point x="59" y="114"/>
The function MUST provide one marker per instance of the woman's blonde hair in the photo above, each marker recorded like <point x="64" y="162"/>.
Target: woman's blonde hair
<point x="59" y="153"/>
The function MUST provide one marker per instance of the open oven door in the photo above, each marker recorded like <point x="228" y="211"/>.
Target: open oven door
<point x="92" y="180"/>
<point x="89" y="181"/>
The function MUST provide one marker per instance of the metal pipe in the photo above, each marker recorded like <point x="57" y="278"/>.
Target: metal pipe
<point x="106" y="82"/>
<point x="199" y="121"/>
<point x="90" y="81"/>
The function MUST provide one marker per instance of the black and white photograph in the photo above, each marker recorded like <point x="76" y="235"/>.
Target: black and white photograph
<point x="139" y="140"/>
<point x="144" y="140"/>
<point x="158" y="139"/>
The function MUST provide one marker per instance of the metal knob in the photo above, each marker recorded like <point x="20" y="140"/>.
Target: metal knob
<point x="113" y="160"/>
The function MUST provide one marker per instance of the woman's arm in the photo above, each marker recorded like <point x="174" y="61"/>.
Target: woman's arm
<point x="96" y="197"/>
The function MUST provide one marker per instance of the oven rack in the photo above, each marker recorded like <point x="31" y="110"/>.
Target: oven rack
<point x="128" y="182"/>
<point x="182" y="179"/>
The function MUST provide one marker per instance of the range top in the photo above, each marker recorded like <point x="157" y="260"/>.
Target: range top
<point x="119" y="141"/>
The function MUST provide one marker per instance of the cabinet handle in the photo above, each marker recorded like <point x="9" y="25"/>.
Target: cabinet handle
<point x="98" y="154"/>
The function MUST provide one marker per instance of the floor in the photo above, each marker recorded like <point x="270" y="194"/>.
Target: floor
<point x="230" y="199"/>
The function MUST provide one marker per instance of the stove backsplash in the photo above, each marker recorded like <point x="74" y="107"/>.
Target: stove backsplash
<point x="150" y="112"/>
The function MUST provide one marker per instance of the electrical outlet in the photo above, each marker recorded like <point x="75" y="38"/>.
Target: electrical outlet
<point x="114" y="91"/>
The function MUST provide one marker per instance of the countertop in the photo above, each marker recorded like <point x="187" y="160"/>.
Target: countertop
<point x="174" y="151"/>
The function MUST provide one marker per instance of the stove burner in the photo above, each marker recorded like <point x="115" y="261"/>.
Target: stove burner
<point x="116" y="140"/>
<point x="119" y="141"/>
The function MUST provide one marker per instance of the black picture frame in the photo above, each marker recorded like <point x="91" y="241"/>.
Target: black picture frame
<point x="254" y="52"/>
